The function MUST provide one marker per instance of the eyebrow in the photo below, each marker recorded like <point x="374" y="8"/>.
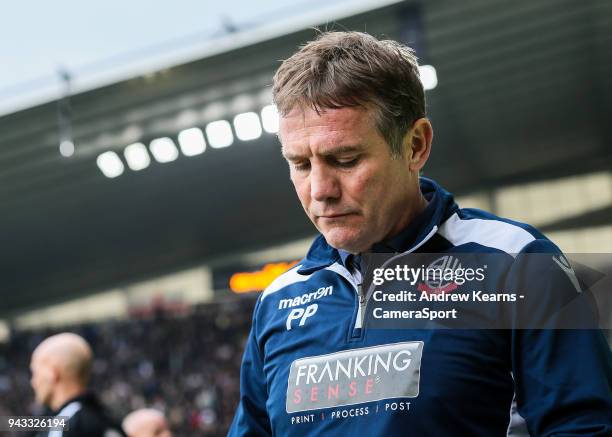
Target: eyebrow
<point x="336" y="151"/>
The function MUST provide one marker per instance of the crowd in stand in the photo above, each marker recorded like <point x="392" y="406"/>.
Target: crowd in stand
<point x="186" y="365"/>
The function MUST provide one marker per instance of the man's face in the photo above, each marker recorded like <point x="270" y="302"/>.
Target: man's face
<point x="351" y="188"/>
<point x="152" y="427"/>
<point x="43" y="379"/>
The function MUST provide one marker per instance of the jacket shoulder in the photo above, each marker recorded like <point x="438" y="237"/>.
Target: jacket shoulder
<point x="290" y="277"/>
<point x="482" y="228"/>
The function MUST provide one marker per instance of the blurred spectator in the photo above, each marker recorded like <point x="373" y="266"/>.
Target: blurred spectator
<point x="61" y="366"/>
<point x="186" y="365"/>
<point x="146" y="422"/>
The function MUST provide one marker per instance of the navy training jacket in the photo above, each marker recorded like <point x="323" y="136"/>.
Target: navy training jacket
<point x="311" y="368"/>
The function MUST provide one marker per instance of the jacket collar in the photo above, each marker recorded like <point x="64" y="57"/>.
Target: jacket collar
<point x="441" y="206"/>
<point x="86" y="397"/>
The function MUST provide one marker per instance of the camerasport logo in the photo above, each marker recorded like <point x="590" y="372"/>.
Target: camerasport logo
<point x="355" y="376"/>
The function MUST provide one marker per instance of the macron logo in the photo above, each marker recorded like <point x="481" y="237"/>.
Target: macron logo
<point x="305" y="298"/>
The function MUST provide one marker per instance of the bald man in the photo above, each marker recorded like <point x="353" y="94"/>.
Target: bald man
<point x="146" y="422"/>
<point x="61" y="367"/>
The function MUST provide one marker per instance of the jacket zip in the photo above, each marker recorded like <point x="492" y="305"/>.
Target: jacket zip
<point x="364" y="297"/>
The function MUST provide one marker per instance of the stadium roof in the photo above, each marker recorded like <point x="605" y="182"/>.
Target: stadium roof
<point x="132" y="64"/>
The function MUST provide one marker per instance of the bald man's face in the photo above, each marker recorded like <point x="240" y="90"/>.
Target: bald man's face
<point x="148" y="425"/>
<point x="44" y="378"/>
<point x="156" y="428"/>
<point x="60" y="366"/>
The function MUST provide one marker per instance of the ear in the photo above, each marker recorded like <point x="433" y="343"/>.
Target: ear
<point x="419" y="144"/>
<point x="54" y="371"/>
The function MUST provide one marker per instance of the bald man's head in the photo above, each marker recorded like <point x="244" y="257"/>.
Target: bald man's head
<point x="60" y="366"/>
<point x="146" y="422"/>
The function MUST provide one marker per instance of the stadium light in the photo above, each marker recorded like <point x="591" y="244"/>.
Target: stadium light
<point x="219" y="134"/>
<point x="191" y="141"/>
<point x="269" y="119"/>
<point x="136" y="156"/>
<point x="110" y="164"/>
<point x="66" y="148"/>
<point x="163" y="150"/>
<point x="247" y="126"/>
<point x="429" y="77"/>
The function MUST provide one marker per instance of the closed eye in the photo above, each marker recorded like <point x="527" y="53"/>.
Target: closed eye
<point x="301" y="166"/>
<point x="345" y="162"/>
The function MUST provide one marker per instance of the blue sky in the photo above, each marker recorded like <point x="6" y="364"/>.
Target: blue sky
<point x="91" y="37"/>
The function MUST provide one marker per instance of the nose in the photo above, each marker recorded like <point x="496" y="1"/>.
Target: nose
<point x="324" y="185"/>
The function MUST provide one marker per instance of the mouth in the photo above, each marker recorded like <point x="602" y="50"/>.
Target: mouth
<point x="334" y="216"/>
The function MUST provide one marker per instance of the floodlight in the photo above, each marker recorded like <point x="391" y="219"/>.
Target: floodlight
<point x="247" y="126"/>
<point x="110" y="164"/>
<point x="137" y="156"/>
<point x="219" y="134"/>
<point x="163" y="150"/>
<point x="269" y="119"/>
<point x="429" y="77"/>
<point x="191" y="141"/>
<point x="66" y="148"/>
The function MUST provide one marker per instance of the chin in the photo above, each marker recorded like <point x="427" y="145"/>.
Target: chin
<point x="344" y="241"/>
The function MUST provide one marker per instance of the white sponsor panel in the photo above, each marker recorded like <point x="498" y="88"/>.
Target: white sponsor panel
<point x="355" y="376"/>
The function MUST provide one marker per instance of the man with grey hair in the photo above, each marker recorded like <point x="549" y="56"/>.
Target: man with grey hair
<point x="354" y="132"/>
<point x="61" y="366"/>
